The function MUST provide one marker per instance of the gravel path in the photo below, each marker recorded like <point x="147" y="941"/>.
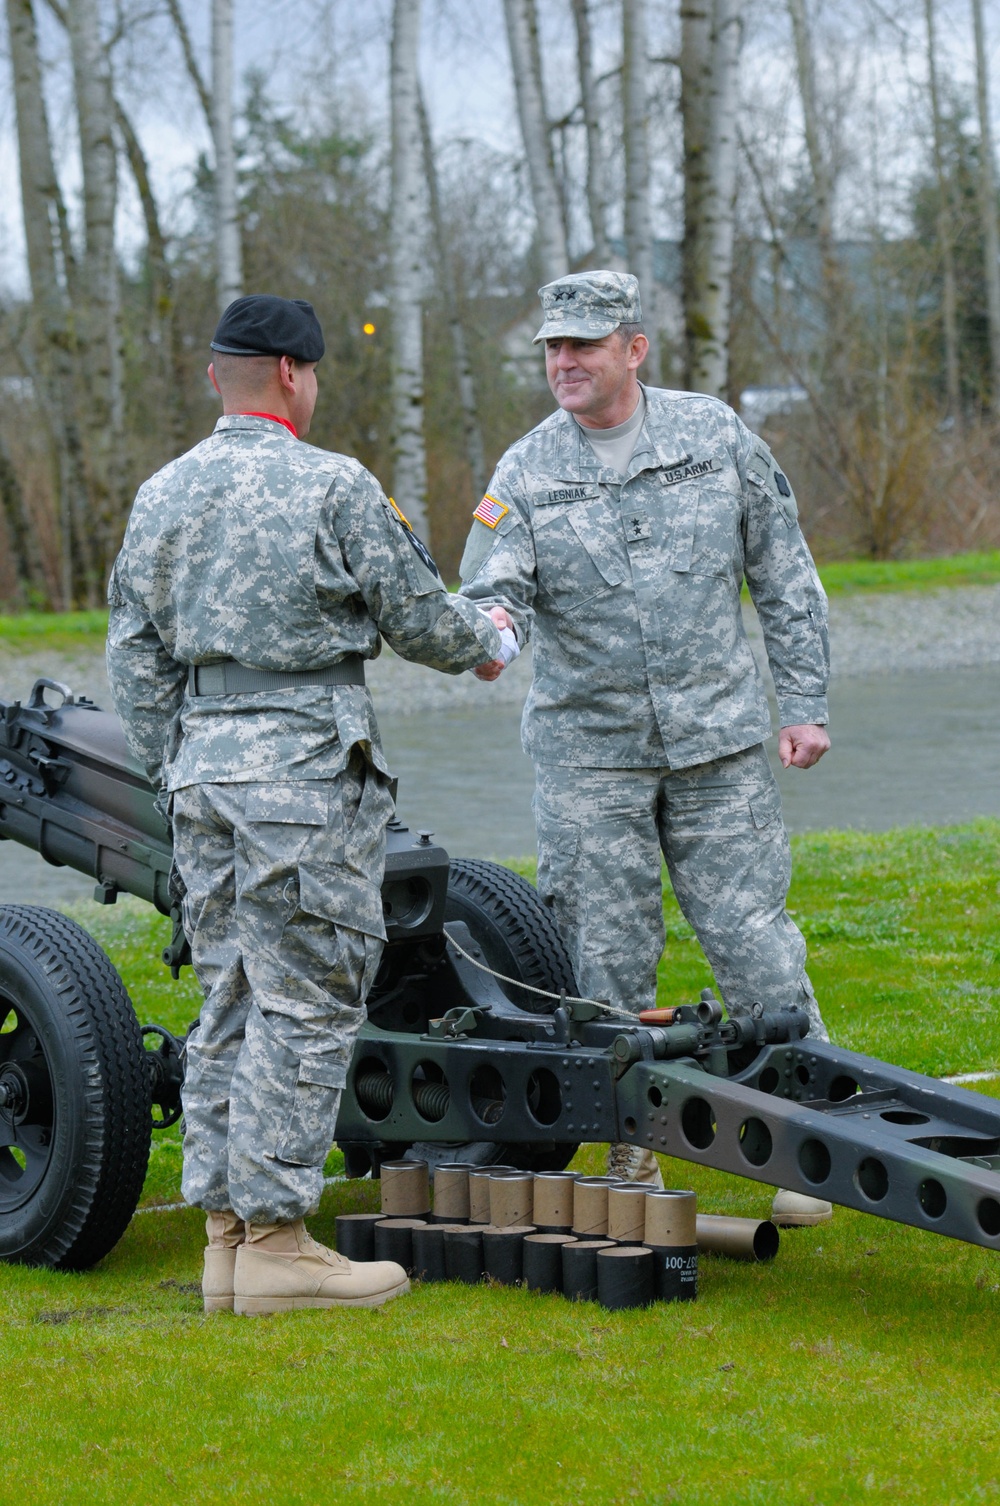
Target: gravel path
<point x="870" y="633"/>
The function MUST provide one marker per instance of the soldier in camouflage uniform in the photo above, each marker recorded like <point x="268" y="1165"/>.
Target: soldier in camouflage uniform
<point x="256" y="576"/>
<point x="617" y="536"/>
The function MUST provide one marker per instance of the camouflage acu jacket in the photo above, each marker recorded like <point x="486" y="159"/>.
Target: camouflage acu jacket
<point x="256" y="547"/>
<point x="629" y="588"/>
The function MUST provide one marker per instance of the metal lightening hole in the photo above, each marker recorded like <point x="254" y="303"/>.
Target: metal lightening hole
<point x="769" y="1079"/>
<point x="487" y="1094"/>
<point x="841" y="1089"/>
<point x="630" y="1126"/>
<point x="543" y="1096"/>
<point x="814" y="1161"/>
<point x="373" y="1088"/>
<point x="933" y="1198"/>
<point x="655" y="1096"/>
<point x="802" y="1073"/>
<point x="904" y="1116"/>
<point x="756" y="1144"/>
<point x="988" y="1214"/>
<point x="431" y="1093"/>
<point x="698" y="1123"/>
<point x="872" y="1179"/>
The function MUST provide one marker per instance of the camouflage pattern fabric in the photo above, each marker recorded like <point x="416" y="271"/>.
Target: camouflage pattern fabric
<point x="259" y="548"/>
<point x="588" y="305"/>
<point x="645" y="692"/>
<point x="719" y="826"/>
<point x="284" y="915"/>
<point x="629" y="588"/>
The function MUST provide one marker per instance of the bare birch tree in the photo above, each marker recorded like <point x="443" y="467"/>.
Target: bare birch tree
<point x="988" y="207"/>
<point x="522" y="39"/>
<point x="406" y="269"/>
<point x="217" y="105"/>
<point x="710" y="43"/>
<point x="597" y="193"/>
<point x="638" y="211"/>
<point x="97" y="303"/>
<point x="49" y="256"/>
<point x="227" y="221"/>
<point x="945" y="230"/>
<point x="450" y="282"/>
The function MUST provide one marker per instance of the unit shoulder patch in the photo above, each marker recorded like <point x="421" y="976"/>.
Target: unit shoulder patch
<point x="490" y="511"/>
<point x="418" y="544"/>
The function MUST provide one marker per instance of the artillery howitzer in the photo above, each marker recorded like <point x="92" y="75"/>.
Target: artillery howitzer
<point x="453" y="1059"/>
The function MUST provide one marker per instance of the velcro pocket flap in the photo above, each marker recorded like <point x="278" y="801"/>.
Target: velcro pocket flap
<point x="342" y="897"/>
<point x="306" y="803"/>
<point x="321" y="1072"/>
<point x="765" y="808"/>
<point x="593" y="535"/>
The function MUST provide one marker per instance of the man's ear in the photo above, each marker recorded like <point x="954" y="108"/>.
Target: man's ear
<point x="212" y="379"/>
<point x="637" y="352"/>
<point x="287" y="373"/>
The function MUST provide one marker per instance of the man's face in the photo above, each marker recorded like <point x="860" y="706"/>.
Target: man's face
<point x="593" y="379"/>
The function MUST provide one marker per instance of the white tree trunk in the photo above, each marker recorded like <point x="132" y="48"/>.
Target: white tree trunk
<point x="227" y="223"/>
<point x="638" y="213"/>
<point x="97" y="301"/>
<point x="522" y="38"/>
<point x="949" y="300"/>
<point x="710" y="44"/>
<point x="40" y="200"/>
<point x="450" y="283"/>
<point x="406" y="257"/>
<point x="597" y="197"/>
<point x="988" y="208"/>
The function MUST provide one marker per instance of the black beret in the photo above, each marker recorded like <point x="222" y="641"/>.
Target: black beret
<point x="262" y="325"/>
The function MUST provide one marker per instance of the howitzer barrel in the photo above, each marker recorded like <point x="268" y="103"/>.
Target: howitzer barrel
<point x="70" y="790"/>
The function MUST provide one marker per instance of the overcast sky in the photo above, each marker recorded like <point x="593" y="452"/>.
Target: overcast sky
<point x="341" y="46"/>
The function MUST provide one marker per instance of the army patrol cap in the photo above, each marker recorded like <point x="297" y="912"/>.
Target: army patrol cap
<point x="588" y="305"/>
<point x="263" y="325"/>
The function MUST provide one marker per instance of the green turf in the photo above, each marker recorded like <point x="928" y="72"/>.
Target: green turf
<point x="74" y="632"/>
<point x="860" y="1365"/>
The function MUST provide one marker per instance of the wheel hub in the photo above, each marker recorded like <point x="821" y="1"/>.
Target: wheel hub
<point x="14" y="1093"/>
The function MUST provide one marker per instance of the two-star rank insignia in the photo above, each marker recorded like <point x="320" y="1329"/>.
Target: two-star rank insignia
<point x="490" y="511"/>
<point x="418" y="543"/>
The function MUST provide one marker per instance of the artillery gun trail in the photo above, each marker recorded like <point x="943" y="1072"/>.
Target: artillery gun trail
<point x="453" y="1062"/>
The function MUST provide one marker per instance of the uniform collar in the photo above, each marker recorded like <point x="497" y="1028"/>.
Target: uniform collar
<point x="657" y="448"/>
<point x="263" y="423"/>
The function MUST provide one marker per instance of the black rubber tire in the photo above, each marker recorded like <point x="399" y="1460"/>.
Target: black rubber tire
<point x="515" y="930"/>
<point x="66" y="1020"/>
<point x="518" y="938"/>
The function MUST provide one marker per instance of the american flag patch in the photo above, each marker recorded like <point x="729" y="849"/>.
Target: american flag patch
<point x="490" y="511"/>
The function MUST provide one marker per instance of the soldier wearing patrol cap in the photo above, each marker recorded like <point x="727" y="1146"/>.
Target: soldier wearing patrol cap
<point x="617" y="536"/>
<point x="257" y="575"/>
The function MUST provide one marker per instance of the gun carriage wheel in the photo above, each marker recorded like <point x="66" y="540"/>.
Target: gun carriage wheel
<point x="518" y="939"/>
<point x="74" y="1094"/>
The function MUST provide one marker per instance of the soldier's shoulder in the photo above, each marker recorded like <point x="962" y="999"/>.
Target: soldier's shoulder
<point x="331" y="464"/>
<point x="691" y="407"/>
<point x="539" y="441"/>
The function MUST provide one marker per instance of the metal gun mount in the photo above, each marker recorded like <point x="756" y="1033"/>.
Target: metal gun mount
<point x="453" y="1061"/>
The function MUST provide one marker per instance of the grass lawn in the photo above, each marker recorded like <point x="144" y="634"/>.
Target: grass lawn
<point x="76" y="632"/>
<point x="861" y="1365"/>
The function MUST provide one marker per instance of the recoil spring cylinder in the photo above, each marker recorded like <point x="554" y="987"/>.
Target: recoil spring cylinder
<point x="376" y="1094"/>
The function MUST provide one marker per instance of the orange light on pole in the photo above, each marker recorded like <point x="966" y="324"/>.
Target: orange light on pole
<point x="369" y="329"/>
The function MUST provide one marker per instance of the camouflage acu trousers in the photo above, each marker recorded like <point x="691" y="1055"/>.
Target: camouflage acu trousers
<point x="720" y="829"/>
<point x="277" y="876"/>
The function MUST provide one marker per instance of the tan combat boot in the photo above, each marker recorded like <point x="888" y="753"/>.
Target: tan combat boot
<point x="281" y="1267"/>
<point x="633" y="1163"/>
<point x="225" y="1233"/>
<point x="791" y="1210"/>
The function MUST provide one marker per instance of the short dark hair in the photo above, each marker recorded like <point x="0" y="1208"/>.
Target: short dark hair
<point x="628" y="332"/>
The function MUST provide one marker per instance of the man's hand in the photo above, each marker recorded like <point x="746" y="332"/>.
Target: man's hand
<point x="802" y="746"/>
<point x="494" y="668"/>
